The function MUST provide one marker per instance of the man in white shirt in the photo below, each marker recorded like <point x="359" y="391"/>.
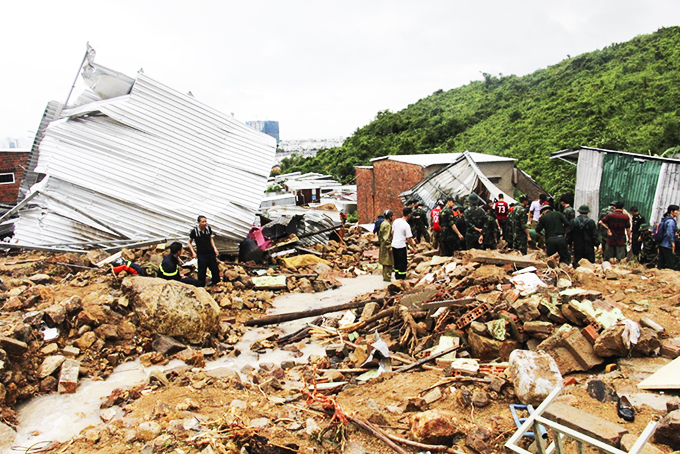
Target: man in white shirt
<point x="402" y="235"/>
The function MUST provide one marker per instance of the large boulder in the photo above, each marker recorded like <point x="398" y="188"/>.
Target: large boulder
<point x="173" y="308"/>
<point x="534" y="375"/>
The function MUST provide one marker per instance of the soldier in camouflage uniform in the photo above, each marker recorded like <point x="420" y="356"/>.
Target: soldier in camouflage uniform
<point x="420" y="223"/>
<point x="475" y="218"/>
<point x="567" y="209"/>
<point x="491" y="229"/>
<point x="450" y="235"/>
<point x="650" y="251"/>
<point x="520" y="231"/>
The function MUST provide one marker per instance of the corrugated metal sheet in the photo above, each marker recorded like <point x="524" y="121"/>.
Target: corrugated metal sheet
<point x="145" y="165"/>
<point x="456" y="180"/>
<point x="588" y="177"/>
<point x="667" y="190"/>
<point x="631" y="180"/>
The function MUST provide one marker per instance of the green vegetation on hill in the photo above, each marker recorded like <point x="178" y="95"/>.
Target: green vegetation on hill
<point x="624" y="97"/>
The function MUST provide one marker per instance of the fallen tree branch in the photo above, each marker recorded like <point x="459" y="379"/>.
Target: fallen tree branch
<point x="378" y="433"/>
<point x="427" y="359"/>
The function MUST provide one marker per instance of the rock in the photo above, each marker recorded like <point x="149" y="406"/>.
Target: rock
<point x="533" y="375"/>
<point x="49" y="349"/>
<point x="71" y="351"/>
<point x="463" y="396"/>
<point x="432" y="395"/>
<point x="610" y="342"/>
<point x="68" y="378"/>
<point x="668" y="430"/>
<point x="173" y="308"/>
<point x="224" y="373"/>
<point x="148" y="430"/>
<point x="49" y="365"/>
<point x="107" y="415"/>
<point x="571" y="350"/>
<point x="378" y="418"/>
<point x="126" y="330"/>
<point x="485" y="348"/>
<point x="191" y="357"/>
<point x="480" y="398"/>
<point x="106" y="331"/>
<point x="583" y="422"/>
<point x="40" y="279"/>
<point x="166" y="344"/>
<point x="92" y="435"/>
<point x="648" y="344"/>
<point x="47" y="385"/>
<point x="13" y="347"/>
<point x="73" y="304"/>
<point x="259" y="422"/>
<point x="479" y="438"/>
<point x="597" y="389"/>
<point x="56" y="314"/>
<point x="527" y="308"/>
<point x="628" y="440"/>
<point x="435" y="427"/>
<point x="86" y="340"/>
<point x="34" y="318"/>
<point x="413" y="404"/>
<point x="311" y="427"/>
<point x="238" y="404"/>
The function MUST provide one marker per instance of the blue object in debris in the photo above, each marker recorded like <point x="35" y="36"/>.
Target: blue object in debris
<point x="519" y="421"/>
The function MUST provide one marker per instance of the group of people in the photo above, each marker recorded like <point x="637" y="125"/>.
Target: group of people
<point x="205" y="252"/>
<point x="564" y="234"/>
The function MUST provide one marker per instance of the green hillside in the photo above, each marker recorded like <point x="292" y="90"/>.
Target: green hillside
<point x="624" y="97"/>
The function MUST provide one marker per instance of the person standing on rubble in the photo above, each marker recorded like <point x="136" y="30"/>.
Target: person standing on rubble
<point x="206" y="251"/>
<point x="667" y="245"/>
<point x="617" y="225"/>
<point x="475" y="218"/>
<point x="637" y="220"/>
<point x="649" y="251"/>
<point x="450" y="235"/>
<point x="434" y="221"/>
<point x="491" y="228"/>
<point x="583" y="236"/>
<point x="401" y="236"/>
<point x="519" y="230"/>
<point x="552" y="224"/>
<point x="386" y="258"/>
<point x="169" y="268"/>
<point x="502" y="209"/>
<point x="419" y="217"/>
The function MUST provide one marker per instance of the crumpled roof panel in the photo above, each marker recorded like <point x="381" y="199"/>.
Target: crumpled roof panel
<point x="145" y="165"/>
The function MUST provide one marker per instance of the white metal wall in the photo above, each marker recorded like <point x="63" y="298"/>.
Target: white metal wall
<point x="588" y="178"/>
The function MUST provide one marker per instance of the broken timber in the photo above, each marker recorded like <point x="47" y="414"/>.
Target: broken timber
<point x="280" y="318"/>
<point x="519" y="262"/>
<point x="427" y="359"/>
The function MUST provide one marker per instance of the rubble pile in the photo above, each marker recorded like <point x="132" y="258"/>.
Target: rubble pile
<point x="428" y="363"/>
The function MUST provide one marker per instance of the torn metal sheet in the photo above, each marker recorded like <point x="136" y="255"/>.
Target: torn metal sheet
<point x="457" y="180"/>
<point x="144" y="165"/>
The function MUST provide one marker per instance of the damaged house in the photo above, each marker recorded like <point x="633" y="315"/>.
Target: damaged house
<point x="383" y="185"/>
<point x="649" y="182"/>
<point x="132" y="160"/>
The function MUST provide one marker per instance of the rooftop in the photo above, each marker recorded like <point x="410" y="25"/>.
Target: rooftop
<point x="427" y="160"/>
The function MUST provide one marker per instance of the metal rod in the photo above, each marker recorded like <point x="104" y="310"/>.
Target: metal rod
<point x="87" y="50"/>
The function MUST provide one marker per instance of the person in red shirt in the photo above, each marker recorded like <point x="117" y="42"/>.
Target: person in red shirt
<point x="434" y="222"/>
<point x="502" y="210"/>
<point x="619" y="229"/>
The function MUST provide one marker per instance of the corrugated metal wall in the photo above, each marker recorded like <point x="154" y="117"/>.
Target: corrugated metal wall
<point x="588" y="177"/>
<point x="630" y="180"/>
<point x="667" y="190"/>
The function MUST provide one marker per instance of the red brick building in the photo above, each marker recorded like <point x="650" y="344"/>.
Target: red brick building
<point x="379" y="185"/>
<point x="13" y="163"/>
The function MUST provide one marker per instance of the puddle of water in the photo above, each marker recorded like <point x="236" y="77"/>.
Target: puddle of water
<point x="59" y="417"/>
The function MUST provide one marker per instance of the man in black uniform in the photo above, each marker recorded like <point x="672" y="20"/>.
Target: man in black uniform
<point x="553" y="225"/>
<point x="475" y="218"/>
<point x="419" y="217"/>
<point x="583" y="236"/>
<point x="169" y="268"/>
<point x="205" y="250"/>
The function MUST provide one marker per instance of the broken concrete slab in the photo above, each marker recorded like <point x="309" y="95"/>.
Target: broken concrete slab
<point x="534" y="375"/>
<point x="571" y="350"/>
<point x="593" y="426"/>
<point x="664" y="378"/>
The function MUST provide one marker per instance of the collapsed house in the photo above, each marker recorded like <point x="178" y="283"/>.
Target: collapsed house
<point x="649" y="182"/>
<point x="380" y="185"/>
<point x="132" y="160"/>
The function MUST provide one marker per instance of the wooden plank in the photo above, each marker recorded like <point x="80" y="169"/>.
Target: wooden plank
<point x="519" y="262"/>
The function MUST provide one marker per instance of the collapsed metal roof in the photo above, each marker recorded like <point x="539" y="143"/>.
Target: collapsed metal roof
<point x="457" y="180"/>
<point x="142" y="165"/>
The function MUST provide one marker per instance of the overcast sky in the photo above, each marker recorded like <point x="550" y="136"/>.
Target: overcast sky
<point x="322" y="69"/>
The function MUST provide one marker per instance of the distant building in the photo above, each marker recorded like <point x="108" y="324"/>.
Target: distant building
<point x="268" y="127"/>
<point x="12" y="168"/>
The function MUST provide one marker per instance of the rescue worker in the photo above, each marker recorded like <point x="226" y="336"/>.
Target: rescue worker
<point x="552" y="224"/>
<point x="120" y="264"/>
<point x="386" y="258"/>
<point x="169" y="268"/>
<point x="419" y="217"/>
<point x="434" y="222"/>
<point x="491" y="228"/>
<point x="518" y="220"/>
<point x="502" y="210"/>
<point x="567" y="209"/>
<point x="636" y="220"/>
<point x="450" y="234"/>
<point x="401" y="236"/>
<point x="583" y="236"/>
<point x="206" y="251"/>
<point x="667" y="244"/>
<point x="649" y="249"/>
<point x="475" y="217"/>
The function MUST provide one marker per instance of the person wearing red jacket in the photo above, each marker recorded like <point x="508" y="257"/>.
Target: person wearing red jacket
<point x="434" y="222"/>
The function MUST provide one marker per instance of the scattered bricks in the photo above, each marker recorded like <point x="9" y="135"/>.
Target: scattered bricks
<point x="68" y="378"/>
<point x="49" y="365"/>
<point x="573" y="316"/>
<point x="511" y="296"/>
<point x="13" y="347"/>
<point x="527" y="308"/>
<point x="649" y="323"/>
<point x="472" y="315"/>
<point x="538" y="328"/>
<point x="581" y="350"/>
<point x="593" y="426"/>
<point x="71" y="351"/>
<point x="591" y="333"/>
<point x="464" y="366"/>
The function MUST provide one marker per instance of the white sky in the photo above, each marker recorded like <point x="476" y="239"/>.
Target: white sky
<point x="321" y="68"/>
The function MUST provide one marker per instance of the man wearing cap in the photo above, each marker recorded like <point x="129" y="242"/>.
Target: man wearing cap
<point x="475" y="218"/>
<point x="617" y="225"/>
<point x="450" y="235"/>
<point x="401" y="236"/>
<point x="583" y="236"/>
<point x="636" y="223"/>
<point x="434" y="222"/>
<point x="419" y="217"/>
<point x="552" y="224"/>
<point x="385" y="237"/>
<point x="518" y="230"/>
<point x="567" y="209"/>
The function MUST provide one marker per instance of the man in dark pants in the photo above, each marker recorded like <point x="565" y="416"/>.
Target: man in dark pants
<point x="169" y="268"/>
<point x="475" y="217"/>
<point x="583" y="236"/>
<point x="554" y="224"/>
<point x="205" y="250"/>
<point x="637" y="220"/>
<point x="617" y="225"/>
<point x="667" y="245"/>
<point x="401" y="236"/>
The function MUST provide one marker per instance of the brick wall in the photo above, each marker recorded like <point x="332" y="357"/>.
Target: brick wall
<point x="14" y="163"/>
<point x="378" y="189"/>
